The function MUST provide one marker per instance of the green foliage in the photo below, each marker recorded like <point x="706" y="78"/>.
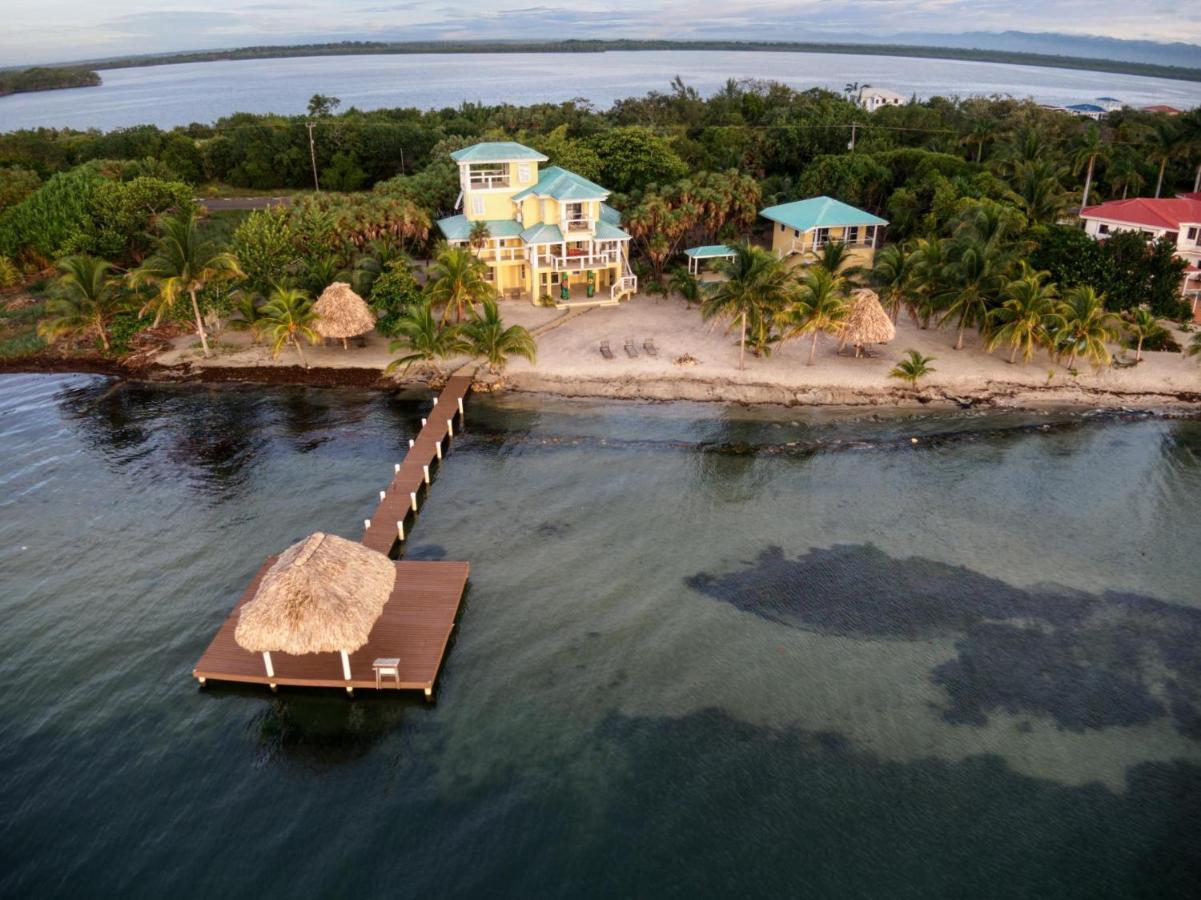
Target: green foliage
<point x="287" y="318"/>
<point x="265" y="247"/>
<point x="854" y="178"/>
<point x="425" y="338"/>
<point x="124" y="327"/>
<point x="46" y="78"/>
<point x="343" y="173"/>
<point x="10" y="275"/>
<point x="24" y="343"/>
<point x="486" y="336"/>
<point x="394" y="295"/>
<point x="123" y="214"/>
<point x="43" y="224"/>
<point x="16" y="184"/>
<point x="633" y="158"/>
<point x="568" y="153"/>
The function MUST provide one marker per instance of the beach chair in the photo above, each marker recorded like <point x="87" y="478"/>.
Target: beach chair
<point x="631" y="349"/>
<point x="649" y="347"/>
<point x="605" y="351"/>
<point x="386" y="667"/>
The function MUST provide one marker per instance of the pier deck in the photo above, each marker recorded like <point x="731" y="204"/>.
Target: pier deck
<point x="415" y="626"/>
<point x="416" y="622"/>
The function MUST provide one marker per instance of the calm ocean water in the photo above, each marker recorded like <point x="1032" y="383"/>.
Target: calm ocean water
<point x="203" y="92"/>
<point x="705" y="651"/>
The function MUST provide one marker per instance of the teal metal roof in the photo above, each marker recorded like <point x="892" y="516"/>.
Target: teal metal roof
<point x="819" y="212"/>
<point x="542" y="234"/>
<point x="607" y="232"/>
<point x="458" y="228"/>
<point x="563" y="185"/>
<point x="709" y="251"/>
<point x="496" y="151"/>
<point x="610" y="215"/>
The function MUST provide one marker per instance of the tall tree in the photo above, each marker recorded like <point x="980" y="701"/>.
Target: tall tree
<point x="485" y="335"/>
<point x="1084" y="328"/>
<point x="820" y="307"/>
<point x="1165" y="143"/>
<point x="975" y="277"/>
<point x="1090" y="146"/>
<point x="182" y="263"/>
<point x="425" y="338"/>
<point x="756" y="288"/>
<point x="893" y="276"/>
<point x="288" y="318"/>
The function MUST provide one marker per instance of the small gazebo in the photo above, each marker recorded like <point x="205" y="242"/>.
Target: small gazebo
<point x="867" y="322"/>
<point x="323" y="595"/>
<point x="341" y="313"/>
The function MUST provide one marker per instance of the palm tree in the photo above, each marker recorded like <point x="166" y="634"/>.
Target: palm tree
<point x="457" y="280"/>
<point x="893" y="275"/>
<point x="426" y="339"/>
<point x="182" y="263"/>
<point x="288" y="318"/>
<point x="1090" y="147"/>
<point x="913" y="367"/>
<point x="1140" y="323"/>
<point x="975" y="278"/>
<point x="930" y="262"/>
<point x="1084" y="327"/>
<point x="820" y="307"/>
<point x="251" y="317"/>
<point x="982" y="132"/>
<point x="485" y="335"/>
<point x="1194" y="346"/>
<point x="1038" y="192"/>
<point x="478" y="236"/>
<point x="685" y="284"/>
<point x="1126" y="172"/>
<point x="1025" y="318"/>
<point x="756" y="288"/>
<point x="832" y="257"/>
<point x="86" y="300"/>
<point x="1166" y="143"/>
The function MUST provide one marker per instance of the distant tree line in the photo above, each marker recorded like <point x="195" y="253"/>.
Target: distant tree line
<point x="46" y="79"/>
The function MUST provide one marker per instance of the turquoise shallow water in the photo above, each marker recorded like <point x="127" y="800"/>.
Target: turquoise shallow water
<point x="704" y="651"/>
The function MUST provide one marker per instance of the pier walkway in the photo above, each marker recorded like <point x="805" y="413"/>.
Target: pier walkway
<point x="417" y="620"/>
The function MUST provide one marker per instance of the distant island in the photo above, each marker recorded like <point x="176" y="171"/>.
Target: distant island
<point x="363" y="48"/>
<point x="46" y="78"/>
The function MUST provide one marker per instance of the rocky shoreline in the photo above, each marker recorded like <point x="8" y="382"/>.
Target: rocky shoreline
<point x="690" y="388"/>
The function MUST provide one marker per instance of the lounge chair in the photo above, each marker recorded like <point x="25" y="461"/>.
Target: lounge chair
<point x="649" y="347"/>
<point x="605" y="351"/>
<point x="631" y="348"/>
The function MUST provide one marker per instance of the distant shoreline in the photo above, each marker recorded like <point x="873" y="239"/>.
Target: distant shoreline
<point x="46" y="78"/>
<point x="371" y="48"/>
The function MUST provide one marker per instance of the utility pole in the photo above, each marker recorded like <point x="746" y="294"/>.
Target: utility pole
<point x="851" y="145"/>
<point x="313" y="157"/>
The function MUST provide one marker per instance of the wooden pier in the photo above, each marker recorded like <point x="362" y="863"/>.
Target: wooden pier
<point x="417" y="620"/>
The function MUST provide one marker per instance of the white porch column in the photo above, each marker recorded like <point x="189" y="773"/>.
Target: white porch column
<point x="345" y="665"/>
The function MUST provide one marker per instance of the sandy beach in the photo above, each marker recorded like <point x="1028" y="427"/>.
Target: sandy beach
<point x="696" y="360"/>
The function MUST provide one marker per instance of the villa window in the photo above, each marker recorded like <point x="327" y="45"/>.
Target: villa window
<point x="853" y="234"/>
<point x="1102" y="228"/>
<point x="477" y="206"/>
<point x="823" y="235"/>
<point x="1194" y="235"/>
<point x="523" y="173"/>
<point x="783" y="227"/>
<point x="796" y="232"/>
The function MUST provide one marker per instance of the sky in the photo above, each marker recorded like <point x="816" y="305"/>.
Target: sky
<point x="42" y="31"/>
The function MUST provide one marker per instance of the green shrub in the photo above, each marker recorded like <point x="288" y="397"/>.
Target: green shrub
<point x="394" y="294"/>
<point x="24" y="344"/>
<point x="44" y="223"/>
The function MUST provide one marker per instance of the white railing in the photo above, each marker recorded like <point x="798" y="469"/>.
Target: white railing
<point x="626" y="284"/>
<point x="503" y="254"/>
<point x="577" y="262"/>
<point x="488" y="180"/>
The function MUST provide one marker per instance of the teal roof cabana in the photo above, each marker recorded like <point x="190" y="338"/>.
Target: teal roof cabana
<point x="812" y="222"/>
<point x="698" y="255"/>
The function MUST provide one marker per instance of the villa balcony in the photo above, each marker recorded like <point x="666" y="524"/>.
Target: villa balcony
<point x="487" y="179"/>
<point x="489" y="253"/>
<point x="569" y="226"/>
<point x="577" y="262"/>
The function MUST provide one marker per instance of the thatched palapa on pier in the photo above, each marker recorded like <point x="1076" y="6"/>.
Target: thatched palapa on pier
<point x="341" y="313"/>
<point x="323" y="595"/>
<point x="867" y="322"/>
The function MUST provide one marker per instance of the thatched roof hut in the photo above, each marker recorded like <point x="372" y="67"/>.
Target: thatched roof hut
<point x="867" y="322"/>
<point x="323" y="595"/>
<point x="341" y="313"/>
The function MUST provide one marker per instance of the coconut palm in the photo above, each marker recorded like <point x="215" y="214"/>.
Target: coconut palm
<point x="1126" y="172"/>
<point x="833" y="257"/>
<point x="486" y="335"/>
<point x="1037" y="190"/>
<point x="975" y="277"/>
<point x="1090" y="147"/>
<point x="457" y="281"/>
<point x="1166" y="142"/>
<point x="685" y="284"/>
<point x="1026" y="316"/>
<point x="425" y="338"/>
<point x="1083" y="327"/>
<point x="912" y="367"/>
<point x="893" y="276"/>
<point x="930" y="260"/>
<point x="86" y="301"/>
<point x="478" y="236"/>
<point x="756" y="288"/>
<point x="820" y="307"/>
<point x="288" y="318"/>
<point x="183" y="263"/>
<point x="1140" y="324"/>
<point x="250" y="317"/>
<point x="982" y="132"/>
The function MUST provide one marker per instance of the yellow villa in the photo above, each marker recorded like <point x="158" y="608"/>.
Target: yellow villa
<point x="549" y="232"/>
<point x="804" y="227"/>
